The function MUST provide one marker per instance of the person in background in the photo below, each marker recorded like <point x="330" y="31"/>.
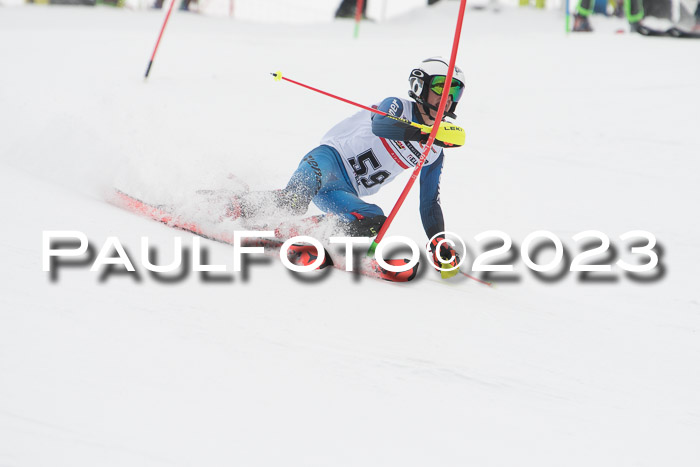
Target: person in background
<point x="184" y="6"/>
<point x="347" y="9"/>
<point x="634" y="11"/>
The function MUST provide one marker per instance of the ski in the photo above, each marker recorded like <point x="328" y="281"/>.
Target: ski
<point x="299" y="254"/>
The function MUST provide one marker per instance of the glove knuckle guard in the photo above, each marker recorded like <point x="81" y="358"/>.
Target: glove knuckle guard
<point x="445" y="255"/>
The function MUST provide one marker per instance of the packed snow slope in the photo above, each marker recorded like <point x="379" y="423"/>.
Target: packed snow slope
<point x="565" y="134"/>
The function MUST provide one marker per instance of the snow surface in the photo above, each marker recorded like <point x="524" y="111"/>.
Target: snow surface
<point x="598" y="131"/>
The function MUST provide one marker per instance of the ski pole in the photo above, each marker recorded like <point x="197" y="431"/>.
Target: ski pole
<point x="490" y="284"/>
<point x="431" y="138"/>
<point x="423" y="128"/>
<point x="278" y="77"/>
<point x="162" y="29"/>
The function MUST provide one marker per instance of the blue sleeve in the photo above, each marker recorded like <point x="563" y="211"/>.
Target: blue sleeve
<point x="386" y="127"/>
<point x="430" y="210"/>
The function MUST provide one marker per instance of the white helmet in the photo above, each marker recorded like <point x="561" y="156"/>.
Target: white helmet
<point x="427" y="76"/>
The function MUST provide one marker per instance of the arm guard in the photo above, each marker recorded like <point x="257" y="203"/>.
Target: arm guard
<point x="430" y="210"/>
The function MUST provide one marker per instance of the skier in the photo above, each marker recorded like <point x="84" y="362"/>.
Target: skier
<point x="364" y="152"/>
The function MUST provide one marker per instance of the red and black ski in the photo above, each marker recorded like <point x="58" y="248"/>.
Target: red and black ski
<point x="300" y="254"/>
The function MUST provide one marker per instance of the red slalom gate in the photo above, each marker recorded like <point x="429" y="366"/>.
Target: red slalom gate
<point x="431" y="138"/>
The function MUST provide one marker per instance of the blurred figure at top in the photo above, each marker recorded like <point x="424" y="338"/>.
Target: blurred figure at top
<point x="184" y="5"/>
<point x="347" y="9"/>
<point x="633" y="9"/>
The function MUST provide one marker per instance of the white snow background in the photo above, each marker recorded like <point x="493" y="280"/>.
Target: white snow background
<point x="566" y="134"/>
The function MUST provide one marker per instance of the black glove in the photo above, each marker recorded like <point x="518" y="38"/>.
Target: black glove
<point x="445" y="256"/>
<point x="449" y="135"/>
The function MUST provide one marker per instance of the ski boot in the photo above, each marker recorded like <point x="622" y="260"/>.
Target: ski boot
<point x="581" y="24"/>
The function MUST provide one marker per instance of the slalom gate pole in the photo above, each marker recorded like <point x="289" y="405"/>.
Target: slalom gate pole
<point x="278" y="77"/>
<point x="358" y="16"/>
<point x="431" y="138"/>
<point x="568" y="17"/>
<point x="162" y="29"/>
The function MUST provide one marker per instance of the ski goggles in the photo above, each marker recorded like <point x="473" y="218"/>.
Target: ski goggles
<point x="437" y="85"/>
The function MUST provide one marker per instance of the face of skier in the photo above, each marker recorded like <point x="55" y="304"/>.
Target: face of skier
<point x="434" y="99"/>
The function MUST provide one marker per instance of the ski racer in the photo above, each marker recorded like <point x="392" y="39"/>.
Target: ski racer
<point x="364" y="152"/>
